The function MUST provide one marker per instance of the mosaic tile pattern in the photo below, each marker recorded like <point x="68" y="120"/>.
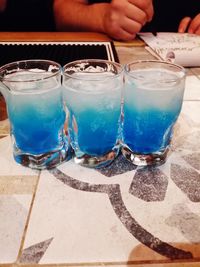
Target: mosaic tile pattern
<point x="17" y="186"/>
<point x="115" y="216"/>
<point x="136" y="209"/>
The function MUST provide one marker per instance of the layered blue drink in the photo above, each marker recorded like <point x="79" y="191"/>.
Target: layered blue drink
<point x="94" y="104"/>
<point x="33" y="94"/>
<point x="37" y="122"/>
<point x="152" y="103"/>
<point x="94" y="121"/>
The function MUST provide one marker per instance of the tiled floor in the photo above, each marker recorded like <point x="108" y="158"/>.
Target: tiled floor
<point x="17" y="187"/>
<point x="84" y="215"/>
<point x="116" y="216"/>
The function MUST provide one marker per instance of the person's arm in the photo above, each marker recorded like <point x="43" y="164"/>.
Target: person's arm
<point x="190" y="25"/>
<point x="120" y="19"/>
<point x="78" y="15"/>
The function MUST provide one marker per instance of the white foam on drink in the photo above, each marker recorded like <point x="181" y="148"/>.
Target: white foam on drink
<point x="33" y="82"/>
<point x="156" y="79"/>
<point x="93" y="83"/>
<point x="154" y="88"/>
<point x="84" y="94"/>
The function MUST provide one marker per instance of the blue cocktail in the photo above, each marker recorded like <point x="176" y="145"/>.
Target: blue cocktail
<point x="152" y="103"/>
<point x="92" y="92"/>
<point x="36" y="112"/>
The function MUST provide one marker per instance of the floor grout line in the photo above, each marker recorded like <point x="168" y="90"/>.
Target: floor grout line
<point x="28" y="220"/>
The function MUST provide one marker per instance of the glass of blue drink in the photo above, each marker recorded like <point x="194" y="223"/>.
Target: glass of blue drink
<point x="153" y="97"/>
<point x="92" y="93"/>
<point x="36" y="112"/>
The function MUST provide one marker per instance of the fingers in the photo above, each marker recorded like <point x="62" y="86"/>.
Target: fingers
<point x="194" y="26"/>
<point x="150" y="12"/>
<point x="144" y="5"/>
<point x="121" y="27"/>
<point x="190" y="25"/>
<point x="136" y="14"/>
<point x="125" y="18"/>
<point x="184" y="24"/>
<point x="197" y="31"/>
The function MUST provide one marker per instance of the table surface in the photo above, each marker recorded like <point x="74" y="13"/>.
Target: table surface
<point x="117" y="216"/>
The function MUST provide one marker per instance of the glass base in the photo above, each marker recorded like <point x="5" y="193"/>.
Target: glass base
<point x="157" y="159"/>
<point x="97" y="161"/>
<point x="43" y="161"/>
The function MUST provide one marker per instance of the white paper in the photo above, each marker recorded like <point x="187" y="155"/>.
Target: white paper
<point x="179" y="48"/>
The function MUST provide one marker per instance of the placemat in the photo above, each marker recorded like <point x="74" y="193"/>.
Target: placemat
<point x="62" y="52"/>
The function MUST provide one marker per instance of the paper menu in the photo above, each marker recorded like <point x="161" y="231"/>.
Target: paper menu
<point x="180" y="48"/>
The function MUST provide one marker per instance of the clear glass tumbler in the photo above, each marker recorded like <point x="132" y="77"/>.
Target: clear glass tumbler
<point x="92" y="93"/>
<point x="33" y="94"/>
<point x="153" y="97"/>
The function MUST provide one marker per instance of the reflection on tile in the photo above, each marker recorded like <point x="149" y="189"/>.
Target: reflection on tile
<point x="8" y="164"/>
<point x="119" y="166"/>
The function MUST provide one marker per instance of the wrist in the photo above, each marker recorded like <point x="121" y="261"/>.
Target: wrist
<point x="99" y="14"/>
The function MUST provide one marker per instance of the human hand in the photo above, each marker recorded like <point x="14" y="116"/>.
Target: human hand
<point x="190" y="25"/>
<point x="124" y="18"/>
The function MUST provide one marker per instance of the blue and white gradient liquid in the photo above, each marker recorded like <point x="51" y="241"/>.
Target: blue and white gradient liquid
<point x="94" y="105"/>
<point x="151" y="108"/>
<point x="37" y="116"/>
<point x="37" y="120"/>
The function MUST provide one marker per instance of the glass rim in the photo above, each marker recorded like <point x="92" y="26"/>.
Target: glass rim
<point x="118" y="65"/>
<point x="17" y="64"/>
<point x="180" y="68"/>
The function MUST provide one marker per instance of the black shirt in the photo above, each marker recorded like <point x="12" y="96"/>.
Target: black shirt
<point x="168" y="14"/>
<point x="28" y="15"/>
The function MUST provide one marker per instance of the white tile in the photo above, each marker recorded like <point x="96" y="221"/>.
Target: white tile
<point x="191" y="112"/>
<point x="15" y="200"/>
<point x="192" y="88"/>
<point x="13" y="218"/>
<point x="82" y="224"/>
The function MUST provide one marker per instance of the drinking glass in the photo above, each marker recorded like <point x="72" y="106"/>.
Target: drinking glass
<point x="3" y="113"/>
<point x="92" y="93"/>
<point x="153" y="97"/>
<point x="33" y="93"/>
